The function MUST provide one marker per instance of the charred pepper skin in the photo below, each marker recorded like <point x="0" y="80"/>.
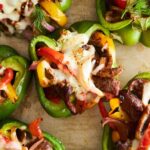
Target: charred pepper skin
<point x="106" y="137"/>
<point x="10" y="58"/>
<point x="9" y="123"/>
<point x="123" y="28"/>
<point x="58" y="110"/>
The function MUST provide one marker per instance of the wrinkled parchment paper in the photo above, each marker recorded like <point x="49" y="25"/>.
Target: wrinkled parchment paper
<point x="81" y="132"/>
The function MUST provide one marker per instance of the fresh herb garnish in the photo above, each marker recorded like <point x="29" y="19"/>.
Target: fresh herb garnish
<point x="137" y="8"/>
<point x="38" y="16"/>
<point x="139" y="11"/>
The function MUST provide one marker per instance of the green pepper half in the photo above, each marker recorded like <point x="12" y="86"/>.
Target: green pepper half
<point x="6" y="125"/>
<point x="10" y="59"/>
<point x="129" y="35"/>
<point x="107" y="143"/>
<point x="101" y="8"/>
<point x="60" y="109"/>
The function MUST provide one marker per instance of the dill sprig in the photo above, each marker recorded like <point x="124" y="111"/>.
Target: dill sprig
<point x="137" y="8"/>
<point x="139" y="11"/>
<point x="38" y="16"/>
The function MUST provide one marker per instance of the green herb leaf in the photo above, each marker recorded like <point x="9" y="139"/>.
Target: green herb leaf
<point x="142" y="23"/>
<point x="38" y="16"/>
<point x="137" y="8"/>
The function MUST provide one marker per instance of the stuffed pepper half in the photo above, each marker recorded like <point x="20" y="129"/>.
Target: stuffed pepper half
<point x="17" y="16"/>
<point x="127" y="123"/>
<point x="14" y="79"/>
<point x="15" y="135"/>
<point x="74" y="72"/>
<point x="128" y="19"/>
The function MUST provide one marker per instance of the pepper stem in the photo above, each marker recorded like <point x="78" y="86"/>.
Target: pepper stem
<point x="94" y="28"/>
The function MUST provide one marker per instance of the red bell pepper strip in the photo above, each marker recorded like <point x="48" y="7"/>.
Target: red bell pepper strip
<point x="53" y="56"/>
<point x="102" y="109"/>
<point x="7" y="140"/>
<point x="35" y="129"/>
<point x="145" y="141"/>
<point x="121" y="3"/>
<point x="7" y="78"/>
<point x="1" y="7"/>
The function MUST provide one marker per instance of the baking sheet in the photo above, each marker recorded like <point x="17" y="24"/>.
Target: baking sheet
<point x="81" y="132"/>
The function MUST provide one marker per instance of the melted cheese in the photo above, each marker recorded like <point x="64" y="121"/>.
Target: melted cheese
<point x="80" y="62"/>
<point x="60" y="77"/>
<point x="11" y="145"/>
<point x="11" y="11"/>
<point x="72" y="41"/>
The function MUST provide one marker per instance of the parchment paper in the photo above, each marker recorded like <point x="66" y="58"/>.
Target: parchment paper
<point x="81" y="132"/>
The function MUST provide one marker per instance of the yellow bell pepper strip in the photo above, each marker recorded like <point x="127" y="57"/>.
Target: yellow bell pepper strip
<point x="116" y="111"/>
<point x="7" y="77"/>
<point x="55" y="57"/>
<point x="11" y="93"/>
<point x="53" y="10"/>
<point x="5" y="84"/>
<point x="114" y="103"/>
<point x="41" y="70"/>
<point x="106" y="42"/>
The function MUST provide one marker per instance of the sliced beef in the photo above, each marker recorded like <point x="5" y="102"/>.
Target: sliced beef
<point x="114" y="14"/>
<point x="136" y="87"/>
<point x="107" y="85"/>
<point x="143" y="123"/>
<point x="41" y="144"/>
<point x="80" y="106"/>
<point x="59" y="91"/>
<point x="109" y="72"/>
<point x="100" y="43"/>
<point x="52" y="92"/>
<point x="132" y="129"/>
<point x="131" y="104"/>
